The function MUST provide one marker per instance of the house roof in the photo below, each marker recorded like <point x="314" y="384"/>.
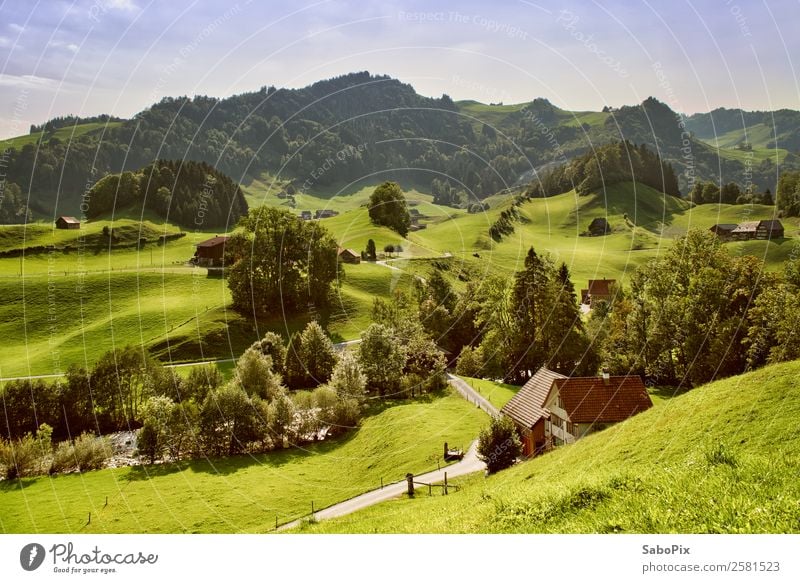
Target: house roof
<point x="601" y="287"/>
<point x="747" y="227"/>
<point x="724" y="227"/>
<point x="527" y="406"/>
<point x="772" y="224"/>
<point x="343" y="250"/>
<point x="68" y="219"/>
<point x="593" y="400"/>
<point x="213" y="241"/>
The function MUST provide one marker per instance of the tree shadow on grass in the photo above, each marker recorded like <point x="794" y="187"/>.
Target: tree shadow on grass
<point x="17" y="483"/>
<point x="667" y="392"/>
<point x="224" y="466"/>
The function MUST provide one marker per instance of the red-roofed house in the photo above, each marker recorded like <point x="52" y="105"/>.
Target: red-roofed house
<point x="582" y="405"/>
<point x="210" y="252"/>
<point x="598" y="289"/>
<point x="526" y="410"/>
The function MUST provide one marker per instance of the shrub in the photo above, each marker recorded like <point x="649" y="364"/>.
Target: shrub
<point x="498" y="444"/>
<point x="21" y="457"/>
<point x="91" y="452"/>
<point x="63" y="459"/>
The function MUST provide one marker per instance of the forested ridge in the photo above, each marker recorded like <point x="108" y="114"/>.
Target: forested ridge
<point x="384" y="127"/>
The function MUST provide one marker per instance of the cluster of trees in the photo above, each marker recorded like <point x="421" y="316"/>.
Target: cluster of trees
<point x="280" y="394"/>
<point x="730" y="193"/>
<point x="445" y="194"/>
<point x="31" y="455"/>
<point x="13" y="209"/>
<point x="191" y="194"/>
<point x="788" y="194"/>
<point x="519" y="326"/>
<point x="66" y="121"/>
<point x="699" y="313"/>
<point x="387" y="207"/>
<point x="607" y="165"/>
<point x="276" y="261"/>
<point x="504" y="224"/>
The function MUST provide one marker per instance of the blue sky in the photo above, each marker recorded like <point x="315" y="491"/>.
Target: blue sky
<point x="118" y="56"/>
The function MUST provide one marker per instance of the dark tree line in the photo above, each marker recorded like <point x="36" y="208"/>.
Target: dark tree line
<point x="365" y="124"/>
<point x="605" y="166"/>
<point x="191" y="194"/>
<point x="730" y="193"/>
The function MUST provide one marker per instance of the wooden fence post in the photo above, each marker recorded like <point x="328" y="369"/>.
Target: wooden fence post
<point x="410" y="480"/>
<point x="445" y="483"/>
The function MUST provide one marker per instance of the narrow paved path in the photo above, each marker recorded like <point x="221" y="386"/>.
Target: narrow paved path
<point x="469" y="465"/>
<point x="472" y="395"/>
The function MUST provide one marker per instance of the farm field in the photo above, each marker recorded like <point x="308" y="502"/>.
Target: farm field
<point x="244" y="493"/>
<point x="498" y="394"/>
<point x="722" y="458"/>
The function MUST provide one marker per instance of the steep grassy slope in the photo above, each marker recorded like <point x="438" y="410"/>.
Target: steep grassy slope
<point x="721" y="458"/>
<point x="242" y="494"/>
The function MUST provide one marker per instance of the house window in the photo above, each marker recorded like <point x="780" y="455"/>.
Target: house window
<point x="559" y="402"/>
<point x="571" y="429"/>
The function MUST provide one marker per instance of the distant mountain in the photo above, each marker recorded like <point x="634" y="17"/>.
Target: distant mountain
<point x="760" y="129"/>
<point x="345" y="128"/>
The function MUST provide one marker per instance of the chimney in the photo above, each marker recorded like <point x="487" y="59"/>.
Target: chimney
<point x="606" y="376"/>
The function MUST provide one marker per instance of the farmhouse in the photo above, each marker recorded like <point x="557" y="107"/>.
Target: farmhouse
<point x="745" y="231"/>
<point x="762" y="230"/>
<point x="210" y="252"/>
<point x="582" y="405"/>
<point x="598" y="227"/>
<point x="767" y="230"/>
<point x="67" y="223"/>
<point x="348" y="256"/>
<point x="305" y="215"/>
<point x="724" y="231"/>
<point x="598" y="289"/>
<point x="526" y="410"/>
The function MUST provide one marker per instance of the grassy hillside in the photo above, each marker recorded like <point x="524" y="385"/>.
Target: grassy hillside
<point x="242" y="494"/>
<point x="722" y="458"/>
<point x="64" y="134"/>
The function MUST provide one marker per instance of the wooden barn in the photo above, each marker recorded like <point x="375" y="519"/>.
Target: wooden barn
<point x="67" y="223"/>
<point x="723" y="230"/>
<point x="745" y="231"/>
<point x="526" y="410"/>
<point x="348" y="256"/>
<point x="210" y="253"/>
<point x="767" y="230"/>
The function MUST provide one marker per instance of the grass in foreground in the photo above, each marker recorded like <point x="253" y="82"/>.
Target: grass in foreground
<point x="722" y="458"/>
<point x="244" y="493"/>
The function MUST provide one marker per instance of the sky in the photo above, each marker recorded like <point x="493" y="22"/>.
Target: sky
<point x="87" y="57"/>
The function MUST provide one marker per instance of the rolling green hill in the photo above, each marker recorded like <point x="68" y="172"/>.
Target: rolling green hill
<point x="722" y="458"/>
<point x="244" y="493"/>
<point x="64" y="134"/>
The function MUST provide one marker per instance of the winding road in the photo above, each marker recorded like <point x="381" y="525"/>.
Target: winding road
<point x="468" y="465"/>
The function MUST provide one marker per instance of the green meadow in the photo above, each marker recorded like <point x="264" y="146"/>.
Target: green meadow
<point x="244" y="493"/>
<point x="78" y="298"/>
<point x="722" y="458"/>
<point x="64" y="134"/>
